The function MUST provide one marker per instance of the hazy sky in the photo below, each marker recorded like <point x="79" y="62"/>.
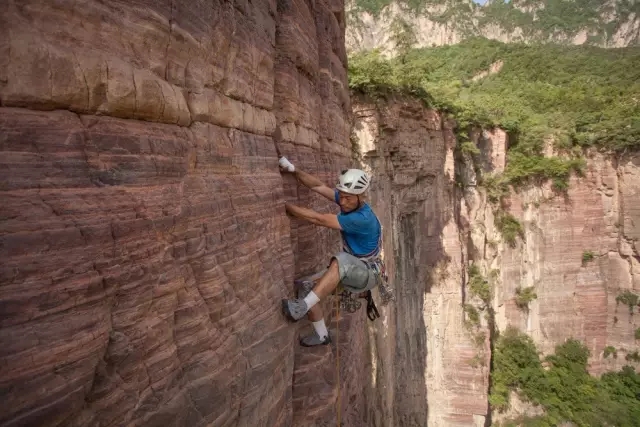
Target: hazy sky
<point x="480" y="1"/>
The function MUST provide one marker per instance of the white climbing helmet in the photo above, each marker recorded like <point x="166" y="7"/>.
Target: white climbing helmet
<point x="353" y="181"/>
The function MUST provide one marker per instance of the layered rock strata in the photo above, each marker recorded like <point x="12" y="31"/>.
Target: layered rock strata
<point x="144" y="242"/>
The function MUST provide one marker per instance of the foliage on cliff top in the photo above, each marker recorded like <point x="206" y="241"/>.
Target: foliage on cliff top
<point x="565" y="390"/>
<point x="575" y="96"/>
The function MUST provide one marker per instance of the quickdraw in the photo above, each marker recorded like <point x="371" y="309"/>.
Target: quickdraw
<point x="372" y="310"/>
<point x="351" y="304"/>
<point x="348" y="302"/>
<point x="378" y="267"/>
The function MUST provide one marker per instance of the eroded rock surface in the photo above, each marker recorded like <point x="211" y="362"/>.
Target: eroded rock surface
<point x="144" y="242"/>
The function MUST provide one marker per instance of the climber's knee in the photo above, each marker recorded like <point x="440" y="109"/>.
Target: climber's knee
<point x="354" y="274"/>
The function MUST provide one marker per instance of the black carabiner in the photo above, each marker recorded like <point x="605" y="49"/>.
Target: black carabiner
<point x="372" y="310"/>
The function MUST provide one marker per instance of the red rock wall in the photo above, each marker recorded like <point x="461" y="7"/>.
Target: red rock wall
<point x="144" y="243"/>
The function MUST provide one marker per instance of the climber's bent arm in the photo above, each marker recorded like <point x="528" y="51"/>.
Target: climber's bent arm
<point x="315" y="184"/>
<point x="325" y="220"/>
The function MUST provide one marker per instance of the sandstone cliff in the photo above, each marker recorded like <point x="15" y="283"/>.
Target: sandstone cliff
<point x="433" y="360"/>
<point x="145" y="247"/>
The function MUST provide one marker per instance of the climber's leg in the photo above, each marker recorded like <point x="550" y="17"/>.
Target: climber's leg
<point x="355" y="275"/>
<point x="320" y="335"/>
<point x="346" y="269"/>
<point x="315" y="314"/>
<point x="297" y="308"/>
<point x="329" y="280"/>
<point x="327" y="284"/>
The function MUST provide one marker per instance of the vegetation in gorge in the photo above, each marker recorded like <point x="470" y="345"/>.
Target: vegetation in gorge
<point x="610" y="350"/>
<point x="561" y="385"/>
<point x="524" y="296"/>
<point x="374" y="7"/>
<point x="568" y="96"/>
<point x="629" y="299"/>
<point x="508" y="226"/>
<point x="633" y="357"/>
<point x="587" y="256"/>
<point x="479" y="288"/>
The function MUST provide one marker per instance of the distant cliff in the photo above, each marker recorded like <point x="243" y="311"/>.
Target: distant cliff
<point x="392" y="25"/>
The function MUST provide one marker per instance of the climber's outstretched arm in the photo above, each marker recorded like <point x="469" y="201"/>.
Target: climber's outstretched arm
<point x="325" y="220"/>
<point x="307" y="179"/>
<point x="315" y="184"/>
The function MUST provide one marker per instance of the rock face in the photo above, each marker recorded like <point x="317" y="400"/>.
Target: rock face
<point x="433" y="360"/>
<point x="144" y="242"/>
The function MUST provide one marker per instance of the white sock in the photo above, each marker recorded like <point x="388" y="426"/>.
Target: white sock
<point x="311" y="299"/>
<point x="321" y="328"/>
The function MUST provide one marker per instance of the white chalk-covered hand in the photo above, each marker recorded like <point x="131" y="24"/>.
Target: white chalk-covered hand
<point x="286" y="165"/>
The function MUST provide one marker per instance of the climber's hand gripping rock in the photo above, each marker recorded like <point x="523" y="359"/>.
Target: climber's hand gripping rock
<point x="286" y="165"/>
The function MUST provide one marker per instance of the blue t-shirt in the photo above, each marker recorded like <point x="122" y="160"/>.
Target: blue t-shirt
<point x="360" y="229"/>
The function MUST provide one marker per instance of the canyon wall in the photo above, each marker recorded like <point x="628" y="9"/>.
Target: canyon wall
<point x="580" y="251"/>
<point x="144" y="242"/>
<point x="433" y="359"/>
<point x="424" y="354"/>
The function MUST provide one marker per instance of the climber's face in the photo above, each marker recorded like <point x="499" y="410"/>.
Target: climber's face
<point x="348" y="202"/>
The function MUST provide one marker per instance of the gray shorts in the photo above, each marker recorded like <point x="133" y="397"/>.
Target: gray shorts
<point x="355" y="276"/>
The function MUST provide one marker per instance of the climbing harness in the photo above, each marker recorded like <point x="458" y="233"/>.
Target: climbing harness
<point x="374" y="263"/>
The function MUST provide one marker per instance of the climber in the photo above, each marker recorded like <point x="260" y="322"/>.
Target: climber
<point x="357" y="266"/>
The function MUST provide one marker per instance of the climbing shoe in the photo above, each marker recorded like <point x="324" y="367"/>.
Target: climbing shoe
<point x="304" y="288"/>
<point x="294" y="309"/>
<point x="314" y="339"/>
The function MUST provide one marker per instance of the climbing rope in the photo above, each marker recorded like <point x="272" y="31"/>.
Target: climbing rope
<point x="338" y="359"/>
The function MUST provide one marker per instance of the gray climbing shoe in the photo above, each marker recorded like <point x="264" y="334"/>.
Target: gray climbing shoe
<point x="304" y="288"/>
<point x="294" y="309"/>
<point x="314" y="339"/>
